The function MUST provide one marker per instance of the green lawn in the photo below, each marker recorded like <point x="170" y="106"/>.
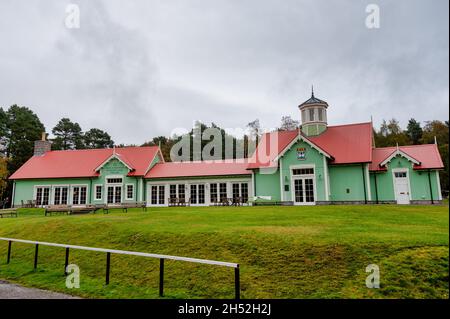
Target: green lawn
<point x="284" y="252"/>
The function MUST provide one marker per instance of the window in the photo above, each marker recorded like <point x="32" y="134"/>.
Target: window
<point x="98" y="192"/>
<point x="161" y="198"/>
<point x="154" y="195"/>
<point x="320" y="114"/>
<point x="42" y="196"/>
<point x="244" y="192"/>
<point x="79" y="195"/>
<point x="130" y="191"/>
<point x="193" y="194"/>
<point x="304" y="116"/>
<point x="60" y="195"/>
<point x="181" y="192"/>
<point x="213" y="193"/>
<point x="235" y="190"/>
<point x="223" y="191"/>
<point x="173" y="191"/>
<point x="400" y="174"/>
<point x="311" y="115"/>
<point x="303" y="171"/>
<point x="114" y="180"/>
<point x="201" y="193"/>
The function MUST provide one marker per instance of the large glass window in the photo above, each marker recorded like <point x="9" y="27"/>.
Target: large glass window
<point x="244" y="192"/>
<point x="201" y="193"/>
<point x="213" y="193"/>
<point x="320" y="114"/>
<point x="193" y="194"/>
<point x="181" y="192"/>
<point x="42" y="196"/>
<point x="79" y="195"/>
<point x="223" y="191"/>
<point x="173" y="191"/>
<point x="60" y="195"/>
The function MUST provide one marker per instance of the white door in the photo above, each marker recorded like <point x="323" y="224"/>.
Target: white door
<point x="401" y="187"/>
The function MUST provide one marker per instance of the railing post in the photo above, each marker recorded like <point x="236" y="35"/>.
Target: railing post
<point x="161" y="277"/>
<point x="66" y="262"/>
<point x="8" y="258"/>
<point x="108" y="264"/>
<point x="36" y="256"/>
<point x="237" y="284"/>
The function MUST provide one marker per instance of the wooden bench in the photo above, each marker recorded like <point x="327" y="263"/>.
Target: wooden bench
<point x="174" y="201"/>
<point x="10" y="212"/>
<point x="57" y="209"/>
<point x="69" y="210"/>
<point x="125" y="206"/>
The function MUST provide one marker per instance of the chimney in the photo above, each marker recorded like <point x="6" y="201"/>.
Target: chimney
<point x="42" y="146"/>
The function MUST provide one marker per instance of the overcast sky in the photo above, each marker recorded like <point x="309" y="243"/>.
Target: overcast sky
<point x="139" y="69"/>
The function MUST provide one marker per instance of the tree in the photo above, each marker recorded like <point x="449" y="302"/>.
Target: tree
<point x="391" y="134"/>
<point x="288" y="124"/>
<point x="96" y="138"/>
<point x="3" y="129"/>
<point x="3" y="177"/>
<point x="68" y="135"/>
<point x="255" y="130"/>
<point x="435" y="128"/>
<point x="414" y="131"/>
<point x="21" y="128"/>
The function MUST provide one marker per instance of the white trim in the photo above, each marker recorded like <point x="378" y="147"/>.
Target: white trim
<point x="401" y="153"/>
<point x="438" y="180"/>
<point x="150" y="164"/>
<point x="394" y="170"/>
<point x="116" y="156"/>
<point x="49" y="186"/>
<point x="281" y="181"/>
<point x="326" y="180"/>
<point x="13" y="194"/>
<point x="59" y="186"/>
<point x="141" y="189"/>
<point x="297" y="177"/>
<point x="126" y="191"/>
<point x="304" y="139"/>
<point x="101" y="193"/>
<point x="369" y="191"/>
<point x="71" y="193"/>
<point x="206" y="182"/>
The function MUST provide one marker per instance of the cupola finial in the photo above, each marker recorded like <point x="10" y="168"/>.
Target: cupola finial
<point x="312" y="91"/>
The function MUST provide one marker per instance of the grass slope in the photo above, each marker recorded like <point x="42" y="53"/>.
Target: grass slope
<point x="284" y="252"/>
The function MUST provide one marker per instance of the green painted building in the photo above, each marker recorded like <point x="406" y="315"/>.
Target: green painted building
<point x="316" y="164"/>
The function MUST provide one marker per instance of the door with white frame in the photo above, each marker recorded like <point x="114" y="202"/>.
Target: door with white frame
<point x="401" y="186"/>
<point x="157" y="194"/>
<point x="114" y="186"/>
<point x="197" y="194"/>
<point x="303" y="185"/>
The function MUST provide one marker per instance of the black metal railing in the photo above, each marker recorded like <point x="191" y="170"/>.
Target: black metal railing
<point x="124" y="252"/>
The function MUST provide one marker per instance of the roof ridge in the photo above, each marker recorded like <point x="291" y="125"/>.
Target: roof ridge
<point x="103" y="149"/>
<point x="350" y="124"/>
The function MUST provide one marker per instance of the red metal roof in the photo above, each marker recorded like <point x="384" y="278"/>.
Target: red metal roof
<point x="270" y="146"/>
<point x="351" y="143"/>
<point x="82" y="163"/>
<point x="427" y="154"/>
<point x="196" y="169"/>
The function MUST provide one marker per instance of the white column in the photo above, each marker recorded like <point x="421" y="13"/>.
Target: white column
<point x="325" y="170"/>
<point x="368" y="183"/>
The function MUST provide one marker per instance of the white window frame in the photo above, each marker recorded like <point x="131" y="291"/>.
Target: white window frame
<point x="126" y="190"/>
<point x="50" y="197"/>
<point x="87" y="194"/>
<point x="54" y="190"/>
<point x="295" y="177"/>
<point x="95" y="192"/>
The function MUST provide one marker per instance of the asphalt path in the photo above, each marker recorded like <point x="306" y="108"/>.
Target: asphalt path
<point x="13" y="291"/>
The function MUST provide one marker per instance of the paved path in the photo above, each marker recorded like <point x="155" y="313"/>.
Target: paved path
<point x="13" y="291"/>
